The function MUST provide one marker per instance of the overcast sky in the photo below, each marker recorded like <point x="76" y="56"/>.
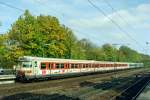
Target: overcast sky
<point x="133" y="16"/>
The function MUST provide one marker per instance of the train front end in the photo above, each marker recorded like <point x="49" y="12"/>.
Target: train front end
<point x="24" y="69"/>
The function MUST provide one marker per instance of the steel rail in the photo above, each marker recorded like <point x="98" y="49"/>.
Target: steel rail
<point x="133" y="97"/>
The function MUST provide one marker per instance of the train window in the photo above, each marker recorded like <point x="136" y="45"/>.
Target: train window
<point x="57" y="66"/>
<point x="49" y="65"/>
<point x="107" y="65"/>
<point x="84" y="66"/>
<point x="72" y="65"/>
<point x="43" y="66"/>
<point x="53" y="66"/>
<point x="87" y="66"/>
<point x="76" y="66"/>
<point x="96" y="65"/>
<point x="104" y="65"/>
<point x="61" y="65"/>
<point x="100" y="65"/>
<point x="80" y="65"/>
<point x="69" y="65"/>
<point x="93" y="65"/>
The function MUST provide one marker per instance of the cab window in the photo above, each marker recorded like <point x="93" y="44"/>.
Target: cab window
<point x="26" y="64"/>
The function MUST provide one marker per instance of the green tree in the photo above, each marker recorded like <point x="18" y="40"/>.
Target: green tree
<point x="145" y="59"/>
<point x="86" y="48"/>
<point x="70" y="43"/>
<point x="2" y="49"/>
<point x="110" y="52"/>
<point x="129" y="54"/>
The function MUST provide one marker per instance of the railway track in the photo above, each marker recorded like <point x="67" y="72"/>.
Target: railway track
<point x="69" y="89"/>
<point x="6" y="79"/>
<point x="132" y="92"/>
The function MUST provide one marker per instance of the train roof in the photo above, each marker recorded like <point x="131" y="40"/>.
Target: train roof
<point x="29" y="58"/>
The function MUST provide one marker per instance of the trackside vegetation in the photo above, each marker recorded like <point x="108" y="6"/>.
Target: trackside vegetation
<point x="45" y="36"/>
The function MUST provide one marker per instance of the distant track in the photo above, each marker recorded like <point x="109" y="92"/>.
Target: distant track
<point x="5" y="79"/>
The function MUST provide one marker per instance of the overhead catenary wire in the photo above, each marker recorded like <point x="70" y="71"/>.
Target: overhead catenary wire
<point x="117" y="13"/>
<point x="22" y="10"/>
<point x="63" y="16"/>
<point x="11" y="6"/>
<point x="115" y="23"/>
<point x="19" y="9"/>
<point x="52" y="10"/>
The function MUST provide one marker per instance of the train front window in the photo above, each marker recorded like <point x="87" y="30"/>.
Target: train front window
<point x="26" y="64"/>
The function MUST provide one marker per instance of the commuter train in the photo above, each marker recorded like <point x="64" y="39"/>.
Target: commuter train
<point x="37" y="67"/>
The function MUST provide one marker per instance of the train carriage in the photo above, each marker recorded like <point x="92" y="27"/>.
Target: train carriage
<point x="38" y="67"/>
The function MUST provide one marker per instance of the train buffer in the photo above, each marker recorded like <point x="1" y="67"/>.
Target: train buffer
<point x="5" y="79"/>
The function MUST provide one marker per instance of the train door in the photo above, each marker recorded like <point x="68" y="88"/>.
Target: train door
<point x="53" y="68"/>
<point x="62" y="68"/>
<point x="35" y="68"/>
<point x="67" y="67"/>
<point x="43" y="68"/>
<point x="50" y="68"/>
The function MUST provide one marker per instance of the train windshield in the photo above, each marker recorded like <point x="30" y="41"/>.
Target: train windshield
<point x="26" y="64"/>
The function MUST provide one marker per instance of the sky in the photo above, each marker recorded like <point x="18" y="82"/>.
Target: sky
<point x="132" y="16"/>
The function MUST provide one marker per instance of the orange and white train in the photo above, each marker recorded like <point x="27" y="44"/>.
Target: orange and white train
<point x="38" y="67"/>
